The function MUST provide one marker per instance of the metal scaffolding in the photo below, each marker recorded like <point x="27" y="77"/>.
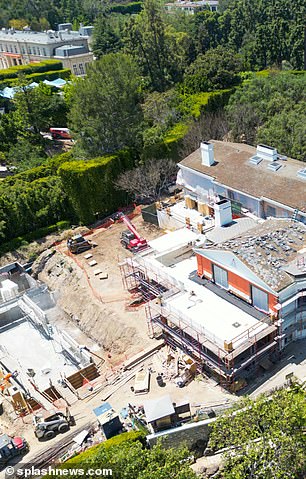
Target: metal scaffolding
<point x="248" y="347"/>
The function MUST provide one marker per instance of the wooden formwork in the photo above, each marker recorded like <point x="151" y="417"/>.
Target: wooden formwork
<point x="87" y="374"/>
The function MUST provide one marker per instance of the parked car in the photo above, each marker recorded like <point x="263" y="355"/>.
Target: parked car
<point x="60" y="133"/>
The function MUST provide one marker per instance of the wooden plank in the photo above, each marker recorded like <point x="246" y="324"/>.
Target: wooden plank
<point x="92" y="263"/>
<point x="97" y="271"/>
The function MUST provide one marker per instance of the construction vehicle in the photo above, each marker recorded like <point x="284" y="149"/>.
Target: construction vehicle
<point x="48" y="423"/>
<point x="11" y="447"/>
<point x="130" y="238"/>
<point x="77" y="244"/>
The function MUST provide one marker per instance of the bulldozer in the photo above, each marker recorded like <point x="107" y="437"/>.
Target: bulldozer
<point x="48" y="423"/>
<point x="78" y="244"/>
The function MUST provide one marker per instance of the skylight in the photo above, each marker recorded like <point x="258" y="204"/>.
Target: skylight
<point x="274" y="166"/>
<point x="255" y="160"/>
<point x="302" y="174"/>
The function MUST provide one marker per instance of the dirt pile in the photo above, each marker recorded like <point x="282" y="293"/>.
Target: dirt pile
<point x="115" y="330"/>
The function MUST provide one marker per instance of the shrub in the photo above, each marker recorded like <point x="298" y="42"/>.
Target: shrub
<point x="91" y="453"/>
<point x="44" y="66"/>
<point x="89" y="184"/>
<point x="129" y="8"/>
<point x="34" y="235"/>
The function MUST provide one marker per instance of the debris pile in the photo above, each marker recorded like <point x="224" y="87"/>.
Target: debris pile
<point x="274" y="245"/>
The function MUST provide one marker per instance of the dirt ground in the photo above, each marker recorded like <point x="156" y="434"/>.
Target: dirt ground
<point x="98" y="307"/>
<point x="36" y="248"/>
<point x="95" y="313"/>
<point x="199" y="393"/>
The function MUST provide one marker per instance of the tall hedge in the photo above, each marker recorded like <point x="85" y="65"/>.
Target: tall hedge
<point x="41" y="67"/>
<point x="192" y="106"/>
<point x="28" y="205"/>
<point x="90" y="184"/>
<point x="64" y="73"/>
<point x="127" y="9"/>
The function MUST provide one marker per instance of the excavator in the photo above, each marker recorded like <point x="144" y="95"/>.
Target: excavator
<point x="130" y="238"/>
<point x="77" y="244"/>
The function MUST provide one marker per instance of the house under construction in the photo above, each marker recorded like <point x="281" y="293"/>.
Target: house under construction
<point x="39" y="363"/>
<point x="232" y="307"/>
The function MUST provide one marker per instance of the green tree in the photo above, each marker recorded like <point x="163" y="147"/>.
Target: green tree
<point x="105" y="113"/>
<point x="207" y="32"/>
<point x="217" y="69"/>
<point x="128" y="459"/>
<point x="105" y="38"/>
<point x="159" y="50"/>
<point x="266" y="437"/>
<point x="161" y="111"/>
<point x="36" y="109"/>
<point x="287" y="130"/>
<point x="271" y="109"/>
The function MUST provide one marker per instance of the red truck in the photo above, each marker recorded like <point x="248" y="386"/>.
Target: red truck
<point x="60" y="133"/>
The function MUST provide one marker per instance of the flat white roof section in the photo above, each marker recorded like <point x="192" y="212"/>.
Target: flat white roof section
<point x="175" y="239"/>
<point x="158" y="408"/>
<point x="204" y="312"/>
<point x="212" y="316"/>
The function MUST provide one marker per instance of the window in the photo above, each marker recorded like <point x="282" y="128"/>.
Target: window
<point x="220" y="277"/>
<point x="81" y="68"/>
<point x="16" y="51"/>
<point x="271" y="211"/>
<point x="38" y="51"/>
<point x="34" y="50"/>
<point x="302" y="302"/>
<point x="29" y="50"/>
<point x="22" y="49"/>
<point x="44" y="52"/>
<point x="75" y="70"/>
<point x="260" y="299"/>
<point x="11" y="49"/>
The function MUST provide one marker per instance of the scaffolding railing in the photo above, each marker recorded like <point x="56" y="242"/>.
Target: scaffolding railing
<point x="220" y="356"/>
<point x="220" y="360"/>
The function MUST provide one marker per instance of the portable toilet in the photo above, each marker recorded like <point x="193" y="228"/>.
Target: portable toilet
<point x="108" y="420"/>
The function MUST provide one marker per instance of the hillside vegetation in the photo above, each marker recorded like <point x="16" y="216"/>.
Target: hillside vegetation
<point x="161" y="83"/>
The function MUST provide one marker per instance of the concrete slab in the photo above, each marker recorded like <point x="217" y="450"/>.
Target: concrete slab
<point x="223" y="233"/>
<point x="88" y="256"/>
<point x="23" y="347"/>
<point x="92" y="263"/>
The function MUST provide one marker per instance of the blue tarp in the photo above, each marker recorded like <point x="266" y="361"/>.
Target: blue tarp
<point x="102" y="409"/>
<point x="124" y="413"/>
<point x="8" y="92"/>
<point x="59" y="82"/>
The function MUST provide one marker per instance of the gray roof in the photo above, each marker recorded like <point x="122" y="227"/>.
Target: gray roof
<point x="268" y="249"/>
<point x="283" y="185"/>
<point x="40" y="37"/>
<point x="158" y="408"/>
